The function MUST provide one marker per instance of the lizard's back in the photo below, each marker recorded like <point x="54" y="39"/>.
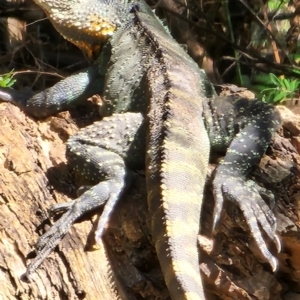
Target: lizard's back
<point x="177" y="147"/>
<point x="150" y="73"/>
<point x="156" y="85"/>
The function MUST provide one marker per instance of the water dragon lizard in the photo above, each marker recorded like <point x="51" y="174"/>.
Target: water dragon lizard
<point x="162" y="114"/>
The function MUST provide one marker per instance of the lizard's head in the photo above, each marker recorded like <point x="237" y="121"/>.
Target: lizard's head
<point x="86" y="23"/>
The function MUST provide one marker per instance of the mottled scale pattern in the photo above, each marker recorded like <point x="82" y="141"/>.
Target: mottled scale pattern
<point x="69" y="92"/>
<point x="246" y="128"/>
<point x="161" y="114"/>
<point x="177" y="157"/>
<point x="99" y="152"/>
<point x="88" y="25"/>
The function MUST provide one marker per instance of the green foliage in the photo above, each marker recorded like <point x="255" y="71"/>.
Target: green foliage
<point x="7" y="80"/>
<point x="277" y="4"/>
<point x="272" y="89"/>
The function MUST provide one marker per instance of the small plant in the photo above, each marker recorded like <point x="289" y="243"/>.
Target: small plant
<point x="277" y="4"/>
<point x="7" y="80"/>
<point x="275" y="90"/>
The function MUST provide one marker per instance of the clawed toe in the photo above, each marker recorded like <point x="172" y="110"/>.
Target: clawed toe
<point x="258" y="215"/>
<point x="61" y="207"/>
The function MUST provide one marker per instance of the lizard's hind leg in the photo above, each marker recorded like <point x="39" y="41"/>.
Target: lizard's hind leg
<point x="101" y="153"/>
<point x="251" y="126"/>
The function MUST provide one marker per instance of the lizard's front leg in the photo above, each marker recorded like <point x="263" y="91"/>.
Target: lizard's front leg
<point x="102" y="152"/>
<point x="67" y="93"/>
<point x="248" y="127"/>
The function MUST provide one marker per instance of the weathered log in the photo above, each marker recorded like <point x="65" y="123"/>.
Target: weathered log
<point x="31" y="163"/>
<point x="34" y="175"/>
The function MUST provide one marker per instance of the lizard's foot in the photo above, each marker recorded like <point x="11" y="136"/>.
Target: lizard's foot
<point x="62" y="226"/>
<point x="247" y="195"/>
<point x="93" y="198"/>
<point x="61" y="207"/>
<point x="48" y="241"/>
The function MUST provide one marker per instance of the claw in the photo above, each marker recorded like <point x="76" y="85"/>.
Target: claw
<point x="277" y="243"/>
<point x="256" y="212"/>
<point x="218" y="196"/>
<point x="274" y="263"/>
<point x="216" y="215"/>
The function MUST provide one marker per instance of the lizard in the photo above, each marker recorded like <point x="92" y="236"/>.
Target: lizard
<point x="158" y="120"/>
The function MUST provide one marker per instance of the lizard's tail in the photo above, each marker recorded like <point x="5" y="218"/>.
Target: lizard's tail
<point x="175" y="184"/>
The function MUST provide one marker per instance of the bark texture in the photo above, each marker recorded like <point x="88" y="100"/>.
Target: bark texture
<point x="34" y="175"/>
<point x="32" y="162"/>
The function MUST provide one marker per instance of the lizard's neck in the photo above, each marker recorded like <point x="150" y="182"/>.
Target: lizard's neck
<point x="87" y="26"/>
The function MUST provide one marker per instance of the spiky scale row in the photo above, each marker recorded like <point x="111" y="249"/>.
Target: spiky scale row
<point x="151" y="76"/>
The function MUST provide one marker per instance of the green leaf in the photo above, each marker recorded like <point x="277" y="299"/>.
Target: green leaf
<point x="12" y="82"/>
<point x="7" y="80"/>
<point x="274" y="79"/>
<point x="283" y="83"/>
<point x="280" y="96"/>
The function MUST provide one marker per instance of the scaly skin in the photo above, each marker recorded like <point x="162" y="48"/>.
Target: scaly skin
<point x="177" y="158"/>
<point x="155" y="99"/>
<point x="177" y="148"/>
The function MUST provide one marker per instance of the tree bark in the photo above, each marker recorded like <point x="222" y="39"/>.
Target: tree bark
<point x="34" y="176"/>
<point x="32" y="162"/>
